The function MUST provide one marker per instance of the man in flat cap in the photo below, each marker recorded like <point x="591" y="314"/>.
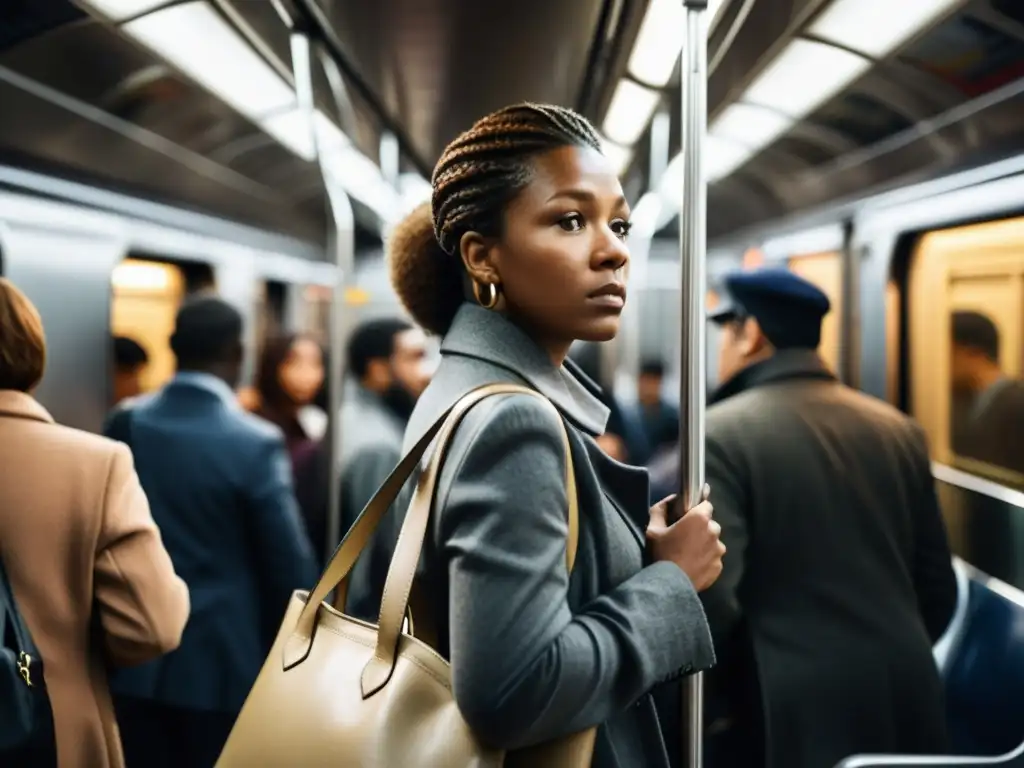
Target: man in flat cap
<point x="838" y="578"/>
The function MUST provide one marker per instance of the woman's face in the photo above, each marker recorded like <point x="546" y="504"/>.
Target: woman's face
<point x="302" y="372"/>
<point x="561" y="262"/>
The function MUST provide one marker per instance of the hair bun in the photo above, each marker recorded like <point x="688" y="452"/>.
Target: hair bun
<point x="427" y="280"/>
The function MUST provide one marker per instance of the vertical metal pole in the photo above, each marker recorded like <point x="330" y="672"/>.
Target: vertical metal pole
<point x="693" y="266"/>
<point x="341" y="241"/>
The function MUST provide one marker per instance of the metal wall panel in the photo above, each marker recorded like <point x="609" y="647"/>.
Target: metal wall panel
<point x="66" y="274"/>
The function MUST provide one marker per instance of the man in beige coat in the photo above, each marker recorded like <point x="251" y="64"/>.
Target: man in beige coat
<point x="85" y="560"/>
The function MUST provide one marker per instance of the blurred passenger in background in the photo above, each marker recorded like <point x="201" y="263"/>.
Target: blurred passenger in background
<point x="623" y="438"/>
<point x="88" y="569"/>
<point x="129" y="361"/>
<point x="838" y="578"/>
<point x="659" y="417"/>
<point x="220" y="485"/>
<point x="988" y="412"/>
<point x="387" y="363"/>
<point x="290" y="375"/>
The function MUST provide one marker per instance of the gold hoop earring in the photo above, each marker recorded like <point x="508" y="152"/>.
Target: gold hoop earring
<point x="492" y="295"/>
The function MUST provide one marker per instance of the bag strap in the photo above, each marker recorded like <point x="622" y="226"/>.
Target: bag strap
<point x="13" y="628"/>
<point x="410" y="541"/>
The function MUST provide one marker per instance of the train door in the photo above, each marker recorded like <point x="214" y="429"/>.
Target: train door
<point x="825" y="270"/>
<point x="146" y="294"/>
<point x="978" y="270"/>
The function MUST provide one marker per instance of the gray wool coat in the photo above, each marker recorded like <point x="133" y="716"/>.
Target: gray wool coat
<point x="535" y="653"/>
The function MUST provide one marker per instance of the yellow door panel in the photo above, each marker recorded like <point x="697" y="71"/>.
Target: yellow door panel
<point x="825" y="270"/>
<point x="146" y="297"/>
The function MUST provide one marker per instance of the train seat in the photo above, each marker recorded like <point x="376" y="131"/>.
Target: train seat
<point x="981" y="657"/>
<point x="985" y="672"/>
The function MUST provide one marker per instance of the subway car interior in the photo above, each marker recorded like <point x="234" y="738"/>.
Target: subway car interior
<point x="152" y="150"/>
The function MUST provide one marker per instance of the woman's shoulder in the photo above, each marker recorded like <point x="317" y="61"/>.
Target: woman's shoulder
<point x="497" y="417"/>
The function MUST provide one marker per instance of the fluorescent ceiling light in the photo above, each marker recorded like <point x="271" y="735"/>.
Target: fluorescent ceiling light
<point x="660" y="40"/>
<point x="721" y="158"/>
<point x="804" y="76"/>
<point x="750" y="125"/>
<point x="646" y="215"/>
<point x="361" y="178"/>
<point x="413" y="190"/>
<point x="199" y="42"/>
<point x="630" y="111"/>
<point x="877" y="27"/>
<point x="619" y="156"/>
<point x="118" y="10"/>
<point x="140" y="276"/>
<point x="291" y="128"/>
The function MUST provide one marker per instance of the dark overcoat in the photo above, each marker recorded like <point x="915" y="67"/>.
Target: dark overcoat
<point x="838" y="576"/>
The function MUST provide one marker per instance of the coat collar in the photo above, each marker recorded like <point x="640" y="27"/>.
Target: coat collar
<point x="786" y="365"/>
<point x="485" y="335"/>
<point x="206" y="382"/>
<point x="21" y="405"/>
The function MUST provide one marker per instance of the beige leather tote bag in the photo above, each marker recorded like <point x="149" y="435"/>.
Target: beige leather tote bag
<point x="336" y="691"/>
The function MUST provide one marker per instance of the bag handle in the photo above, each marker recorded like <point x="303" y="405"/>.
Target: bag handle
<point x="298" y="645"/>
<point x="410" y="543"/>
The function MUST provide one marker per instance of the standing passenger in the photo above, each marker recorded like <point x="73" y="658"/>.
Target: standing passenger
<point x="522" y="253"/>
<point x="290" y="375"/>
<point x="387" y="360"/>
<point x="839" y="578"/>
<point x="85" y="560"/>
<point x="220" y="486"/>
<point x="659" y="417"/>
<point x="129" y="361"/>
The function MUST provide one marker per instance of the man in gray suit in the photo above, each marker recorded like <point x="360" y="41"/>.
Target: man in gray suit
<point x="387" y="363"/>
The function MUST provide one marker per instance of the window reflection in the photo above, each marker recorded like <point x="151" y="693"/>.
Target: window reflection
<point x="987" y="402"/>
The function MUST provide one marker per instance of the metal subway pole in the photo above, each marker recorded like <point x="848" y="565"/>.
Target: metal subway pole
<point x="693" y="267"/>
<point x="341" y="243"/>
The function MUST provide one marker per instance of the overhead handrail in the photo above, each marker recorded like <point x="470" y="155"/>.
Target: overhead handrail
<point x="341" y="240"/>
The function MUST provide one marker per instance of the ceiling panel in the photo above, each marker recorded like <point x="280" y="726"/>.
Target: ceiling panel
<point x="439" y="65"/>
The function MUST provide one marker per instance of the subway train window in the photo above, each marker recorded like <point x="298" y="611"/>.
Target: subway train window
<point x="966" y="335"/>
<point x="146" y="296"/>
<point x="825" y="270"/>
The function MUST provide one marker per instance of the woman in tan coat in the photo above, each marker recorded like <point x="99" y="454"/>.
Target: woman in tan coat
<point x="85" y="560"/>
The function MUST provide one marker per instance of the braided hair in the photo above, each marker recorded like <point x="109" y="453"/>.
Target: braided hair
<point x="478" y="174"/>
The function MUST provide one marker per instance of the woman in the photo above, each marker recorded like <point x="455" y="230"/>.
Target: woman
<point x="80" y="547"/>
<point x="521" y="253"/>
<point x="290" y="376"/>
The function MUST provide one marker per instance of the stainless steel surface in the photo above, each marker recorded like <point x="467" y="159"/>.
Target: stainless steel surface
<point x="693" y="258"/>
<point x="342" y="243"/>
<point x="1013" y="759"/>
<point x="90" y="104"/>
<point x="849" y="319"/>
<point x="65" y="271"/>
<point x="949" y="99"/>
<point x="439" y="65"/>
<point x="977" y="484"/>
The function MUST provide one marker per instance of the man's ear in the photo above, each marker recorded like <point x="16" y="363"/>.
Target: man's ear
<point x="752" y="339"/>
<point x="478" y="254"/>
